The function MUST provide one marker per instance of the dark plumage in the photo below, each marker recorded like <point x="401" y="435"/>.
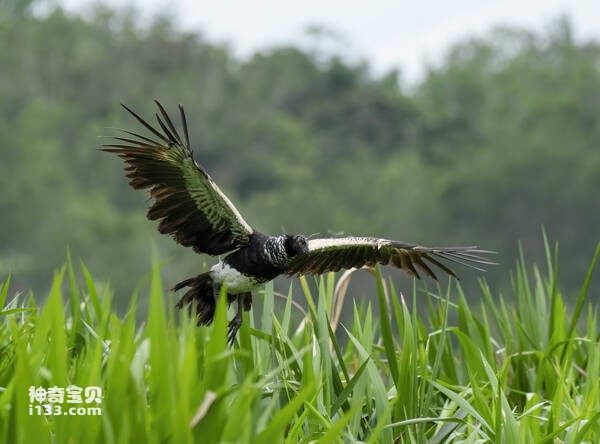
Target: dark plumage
<point x="191" y="208"/>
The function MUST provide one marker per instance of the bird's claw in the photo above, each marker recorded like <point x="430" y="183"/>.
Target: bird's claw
<point x="232" y="329"/>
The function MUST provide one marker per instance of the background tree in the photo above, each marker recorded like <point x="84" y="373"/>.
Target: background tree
<point x="498" y="139"/>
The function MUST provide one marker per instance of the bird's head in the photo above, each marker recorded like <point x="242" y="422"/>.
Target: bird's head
<point x="295" y="244"/>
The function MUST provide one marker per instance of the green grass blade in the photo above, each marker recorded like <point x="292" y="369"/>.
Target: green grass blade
<point x="582" y="295"/>
<point x="4" y="291"/>
<point x="275" y="431"/>
<point x="345" y="394"/>
<point x="386" y="329"/>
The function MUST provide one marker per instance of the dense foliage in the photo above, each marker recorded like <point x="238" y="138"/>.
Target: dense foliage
<point x="526" y="374"/>
<point x="497" y="140"/>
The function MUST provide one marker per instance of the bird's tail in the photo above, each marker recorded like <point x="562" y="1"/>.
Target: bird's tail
<point x="200" y="297"/>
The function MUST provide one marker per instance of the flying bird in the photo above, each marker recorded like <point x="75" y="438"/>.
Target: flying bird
<point x="190" y="207"/>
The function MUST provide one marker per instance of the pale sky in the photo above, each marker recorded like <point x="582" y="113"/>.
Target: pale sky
<point x="389" y="34"/>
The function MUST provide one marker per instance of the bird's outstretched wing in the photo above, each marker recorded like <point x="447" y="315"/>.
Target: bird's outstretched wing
<point x="334" y="254"/>
<point x="187" y="203"/>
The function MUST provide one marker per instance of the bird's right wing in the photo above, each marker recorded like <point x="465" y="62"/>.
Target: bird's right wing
<point x="334" y="254"/>
<point x="188" y="204"/>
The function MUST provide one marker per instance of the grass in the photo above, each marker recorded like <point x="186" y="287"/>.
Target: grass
<point x="524" y="371"/>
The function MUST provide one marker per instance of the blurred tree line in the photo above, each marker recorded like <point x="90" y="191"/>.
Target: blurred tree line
<point x="497" y="140"/>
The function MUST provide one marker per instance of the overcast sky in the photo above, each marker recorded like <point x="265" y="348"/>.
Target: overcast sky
<point x="389" y="34"/>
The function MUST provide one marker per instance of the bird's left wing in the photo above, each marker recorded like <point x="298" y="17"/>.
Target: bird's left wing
<point x="188" y="204"/>
<point x="334" y="254"/>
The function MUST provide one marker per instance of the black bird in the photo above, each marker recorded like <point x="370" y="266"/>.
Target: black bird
<point x="194" y="211"/>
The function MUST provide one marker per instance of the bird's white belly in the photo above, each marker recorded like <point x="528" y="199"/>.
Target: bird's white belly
<point x="234" y="281"/>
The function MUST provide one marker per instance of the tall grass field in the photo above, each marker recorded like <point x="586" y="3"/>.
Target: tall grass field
<point x="524" y="368"/>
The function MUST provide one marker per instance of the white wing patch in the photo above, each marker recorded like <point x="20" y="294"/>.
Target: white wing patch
<point x="239" y="217"/>
<point x="318" y="244"/>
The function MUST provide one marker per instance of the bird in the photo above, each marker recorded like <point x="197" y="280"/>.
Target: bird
<point x="190" y="207"/>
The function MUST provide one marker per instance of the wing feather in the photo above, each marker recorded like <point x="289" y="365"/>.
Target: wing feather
<point x="187" y="203"/>
<point x="171" y="131"/>
<point x="333" y="254"/>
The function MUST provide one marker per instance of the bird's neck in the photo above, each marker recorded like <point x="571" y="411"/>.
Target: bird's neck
<point x="274" y="250"/>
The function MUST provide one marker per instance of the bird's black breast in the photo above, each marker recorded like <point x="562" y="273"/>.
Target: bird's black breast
<point x="253" y="260"/>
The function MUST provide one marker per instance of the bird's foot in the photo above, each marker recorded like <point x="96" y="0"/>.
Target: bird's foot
<point x="244" y="302"/>
<point x="232" y="329"/>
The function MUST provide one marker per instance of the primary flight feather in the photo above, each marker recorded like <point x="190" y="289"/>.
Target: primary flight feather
<point x="190" y="207"/>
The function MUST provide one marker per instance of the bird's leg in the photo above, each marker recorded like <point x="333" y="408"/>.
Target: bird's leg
<point x="235" y="324"/>
<point x="247" y="300"/>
